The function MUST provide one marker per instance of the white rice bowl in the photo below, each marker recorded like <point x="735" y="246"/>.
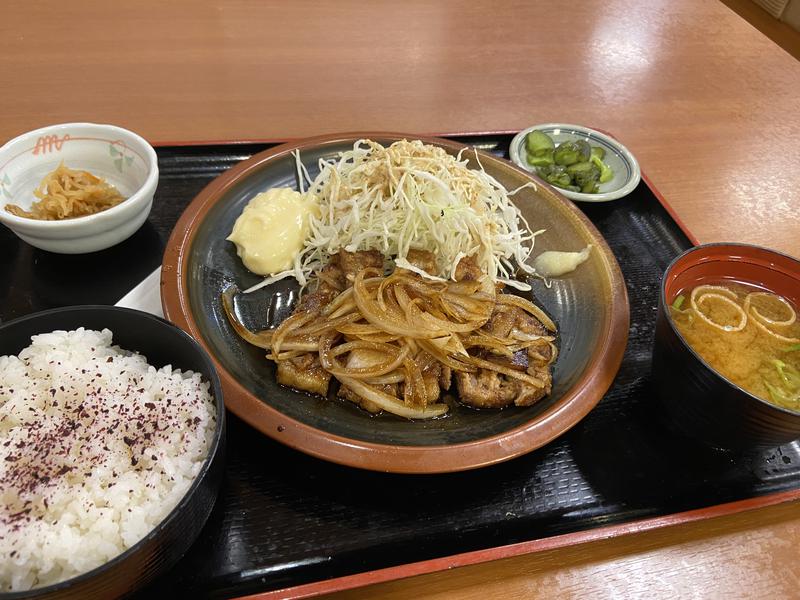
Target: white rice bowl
<point x="96" y="448"/>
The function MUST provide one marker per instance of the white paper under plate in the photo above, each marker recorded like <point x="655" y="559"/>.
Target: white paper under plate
<point x="146" y="296"/>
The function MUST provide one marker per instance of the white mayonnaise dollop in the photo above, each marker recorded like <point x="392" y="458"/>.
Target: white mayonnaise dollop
<point x="270" y="232"/>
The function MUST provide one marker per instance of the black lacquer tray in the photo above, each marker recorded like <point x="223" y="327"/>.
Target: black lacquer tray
<point x="284" y="519"/>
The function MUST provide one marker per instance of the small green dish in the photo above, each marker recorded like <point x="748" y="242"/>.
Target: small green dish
<point x="626" y="169"/>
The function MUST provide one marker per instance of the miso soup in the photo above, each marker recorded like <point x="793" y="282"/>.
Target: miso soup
<point x="749" y="335"/>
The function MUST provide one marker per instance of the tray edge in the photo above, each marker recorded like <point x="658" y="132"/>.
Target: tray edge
<point x="435" y="565"/>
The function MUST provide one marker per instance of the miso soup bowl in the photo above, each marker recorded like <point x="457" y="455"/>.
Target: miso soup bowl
<point x="695" y="399"/>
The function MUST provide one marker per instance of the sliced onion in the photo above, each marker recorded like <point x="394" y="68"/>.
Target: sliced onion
<point x="300" y="345"/>
<point x="396" y="357"/>
<point x="359" y="329"/>
<point x="392" y="329"/>
<point x="379" y="318"/>
<point x="452" y="309"/>
<point x="454" y="346"/>
<point x="389" y="349"/>
<point x="445" y="358"/>
<point x="347" y="294"/>
<point x="377" y="337"/>
<point x="338" y="301"/>
<point x="346" y="307"/>
<point x="527" y="306"/>
<point x="415" y="386"/>
<point x="367" y="332"/>
<point x="464" y="288"/>
<point x="424" y="287"/>
<point x="521" y="336"/>
<point x="468" y="308"/>
<point x="287" y="355"/>
<point x="323" y="324"/>
<point x="494" y="345"/>
<point x="394" y="377"/>
<point x="380" y="296"/>
<point x="521" y="375"/>
<point x="295" y="321"/>
<point x="553" y="353"/>
<point x="262" y="339"/>
<point x="390" y="403"/>
<point x="533" y="353"/>
<point x="327" y="361"/>
<point x="447" y="326"/>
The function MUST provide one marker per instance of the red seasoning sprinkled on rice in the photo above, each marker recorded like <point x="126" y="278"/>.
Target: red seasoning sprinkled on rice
<point x="96" y="447"/>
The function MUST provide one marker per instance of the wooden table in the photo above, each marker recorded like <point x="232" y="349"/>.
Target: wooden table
<point x="708" y="105"/>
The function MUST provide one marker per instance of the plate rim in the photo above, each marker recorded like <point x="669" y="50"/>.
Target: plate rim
<point x="581" y="398"/>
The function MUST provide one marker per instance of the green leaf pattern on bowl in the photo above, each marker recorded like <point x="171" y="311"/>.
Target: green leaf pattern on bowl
<point x="121" y="159"/>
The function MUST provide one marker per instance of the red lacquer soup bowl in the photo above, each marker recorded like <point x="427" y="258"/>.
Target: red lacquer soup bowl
<point x="696" y="399"/>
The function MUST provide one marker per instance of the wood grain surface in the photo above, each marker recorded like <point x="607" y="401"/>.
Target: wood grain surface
<point x="748" y="555"/>
<point x="709" y="105"/>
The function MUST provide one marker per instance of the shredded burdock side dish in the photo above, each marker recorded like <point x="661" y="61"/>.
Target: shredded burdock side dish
<point x="68" y="193"/>
<point x="403" y="274"/>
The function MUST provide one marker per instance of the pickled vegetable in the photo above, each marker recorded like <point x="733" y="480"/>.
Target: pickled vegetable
<point x="606" y="174"/>
<point x="539" y="144"/>
<point x="555" y="175"/>
<point x="540" y="161"/>
<point x="569" y="153"/>
<point x="583" y="173"/>
<point x="573" y="165"/>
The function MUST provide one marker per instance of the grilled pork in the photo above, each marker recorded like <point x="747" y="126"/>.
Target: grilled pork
<point x="490" y="389"/>
<point x="481" y="389"/>
<point x="305" y="372"/>
<point x="422" y="259"/>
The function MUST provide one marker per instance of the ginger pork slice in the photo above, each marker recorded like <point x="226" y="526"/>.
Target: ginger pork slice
<point x="304" y="373"/>
<point x="490" y="389"/>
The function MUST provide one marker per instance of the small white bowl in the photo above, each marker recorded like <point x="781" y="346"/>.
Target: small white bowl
<point x="119" y="156"/>
<point x="626" y="169"/>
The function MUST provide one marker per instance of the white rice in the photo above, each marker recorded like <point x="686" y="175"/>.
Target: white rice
<point x="96" y="448"/>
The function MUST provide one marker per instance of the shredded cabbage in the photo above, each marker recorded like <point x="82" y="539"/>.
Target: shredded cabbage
<point x="412" y="195"/>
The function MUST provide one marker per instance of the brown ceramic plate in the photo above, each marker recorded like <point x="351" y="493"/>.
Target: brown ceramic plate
<point x="590" y="307"/>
